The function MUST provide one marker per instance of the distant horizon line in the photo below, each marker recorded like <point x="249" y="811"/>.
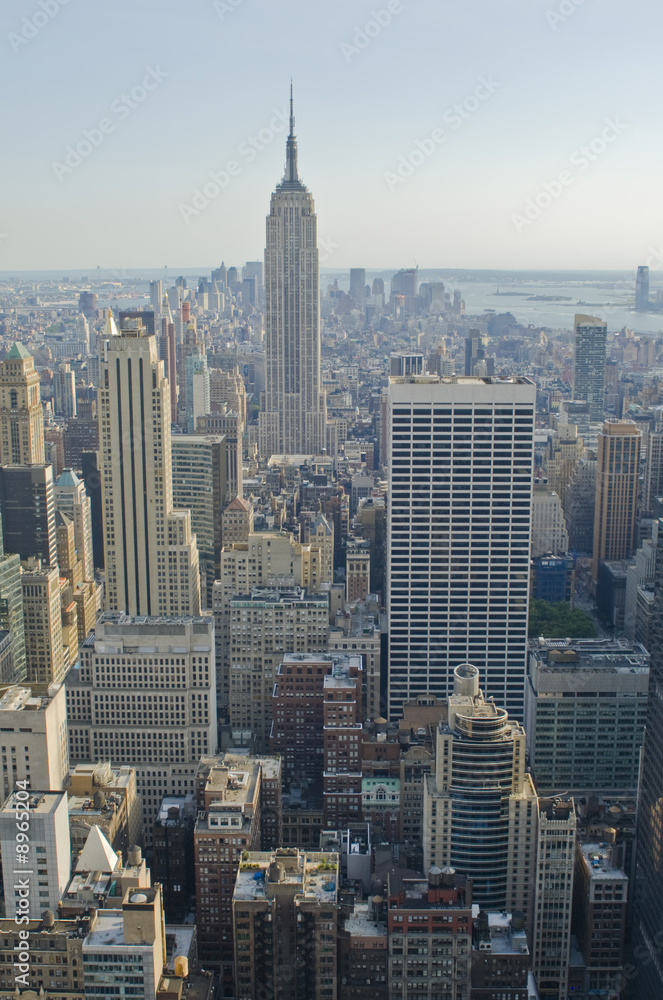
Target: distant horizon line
<point x="173" y="271"/>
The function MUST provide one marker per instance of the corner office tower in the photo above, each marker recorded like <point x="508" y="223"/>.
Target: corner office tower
<point x="151" y="555"/>
<point x="295" y="416"/>
<point x="460" y="488"/>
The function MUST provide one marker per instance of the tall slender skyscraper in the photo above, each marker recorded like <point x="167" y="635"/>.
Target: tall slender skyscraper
<point x="150" y="553"/>
<point x="589" y="370"/>
<point x="616" y="504"/>
<point x="295" y="416"/>
<point x="460" y="470"/>
<point x="358" y="286"/>
<point x="21" y="415"/>
<point x="64" y="383"/>
<point x="642" y="289"/>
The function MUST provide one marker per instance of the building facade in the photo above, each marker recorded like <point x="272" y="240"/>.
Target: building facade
<point x="151" y="556"/>
<point x="480" y="803"/>
<point x="295" y="415"/>
<point x="21" y="414"/>
<point x="460" y="484"/>
<point x="33" y="737"/>
<point x="589" y="367"/>
<point x="616" y="500"/>
<point x="264" y="625"/>
<point x="145" y="695"/>
<point x="285" y="922"/>
<point x="199" y="485"/>
<point x="585" y="713"/>
<point x="551" y="927"/>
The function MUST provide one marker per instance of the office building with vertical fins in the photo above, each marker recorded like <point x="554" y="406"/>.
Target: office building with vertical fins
<point x="150" y="552"/>
<point x="460" y="485"/>
<point x="295" y="416"/>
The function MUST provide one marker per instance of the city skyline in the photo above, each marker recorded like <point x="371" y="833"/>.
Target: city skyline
<point x="418" y="131"/>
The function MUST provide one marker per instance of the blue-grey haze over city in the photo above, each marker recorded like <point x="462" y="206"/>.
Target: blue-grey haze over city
<point x="373" y="84"/>
<point x="331" y="500"/>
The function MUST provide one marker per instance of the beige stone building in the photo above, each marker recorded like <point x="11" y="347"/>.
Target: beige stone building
<point x="43" y="624"/>
<point x="33" y="737"/>
<point x="21" y="414"/>
<point x="151" y="555"/>
<point x="237" y="521"/>
<point x="264" y="625"/>
<point x="228" y="387"/>
<point x="549" y="532"/>
<point x="106" y="797"/>
<point x="266" y="559"/>
<point x="616" y="502"/>
<point x="230" y="424"/>
<point x="566" y="450"/>
<point x="144" y="695"/>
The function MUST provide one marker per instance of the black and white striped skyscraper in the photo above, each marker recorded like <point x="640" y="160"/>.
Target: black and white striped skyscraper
<point x="460" y="458"/>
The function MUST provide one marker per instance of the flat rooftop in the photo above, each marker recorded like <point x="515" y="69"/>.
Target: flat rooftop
<point x="589" y="654"/>
<point x="504" y="938"/>
<point x="362" y="924"/>
<point x="301" y="871"/>
<point x="598" y="861"/>
<point x="107" y="932"/>
<point x="40" y="803"/>
<point x="17" y="698"/>
<point x="462" y="380"/>
<point x="278" y="595"/>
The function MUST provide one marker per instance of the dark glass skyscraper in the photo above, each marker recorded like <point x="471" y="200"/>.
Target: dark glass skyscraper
<point x="642" y="289"/>
<point x="589" y="370"/>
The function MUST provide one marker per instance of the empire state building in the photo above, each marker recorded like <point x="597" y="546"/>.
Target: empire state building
<point x="295" y="416"/>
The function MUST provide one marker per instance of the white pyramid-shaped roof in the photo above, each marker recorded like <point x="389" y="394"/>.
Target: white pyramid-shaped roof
<point x="97" y="855"/>
<point x="111" y="330"/>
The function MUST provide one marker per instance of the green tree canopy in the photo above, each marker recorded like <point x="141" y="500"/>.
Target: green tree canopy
<point x="559" y="621"/>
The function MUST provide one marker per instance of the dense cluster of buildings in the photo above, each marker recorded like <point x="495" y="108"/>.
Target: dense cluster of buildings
<point x="266" y="562"/>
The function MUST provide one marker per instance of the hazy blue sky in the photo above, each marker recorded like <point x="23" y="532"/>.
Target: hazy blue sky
<point x="554" y="72"/>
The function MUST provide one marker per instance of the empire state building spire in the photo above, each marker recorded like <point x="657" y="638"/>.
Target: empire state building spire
<point x="290" y="176"/>
<point x="295" y="416"/>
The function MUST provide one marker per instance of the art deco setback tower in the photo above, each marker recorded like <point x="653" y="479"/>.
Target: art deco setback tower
<point x="460" y="478"/>
<point x="589" y="370"/>
<point x="21" y="414"/>
<point x="295" y="414"/>
<point x="151" y="556"/>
